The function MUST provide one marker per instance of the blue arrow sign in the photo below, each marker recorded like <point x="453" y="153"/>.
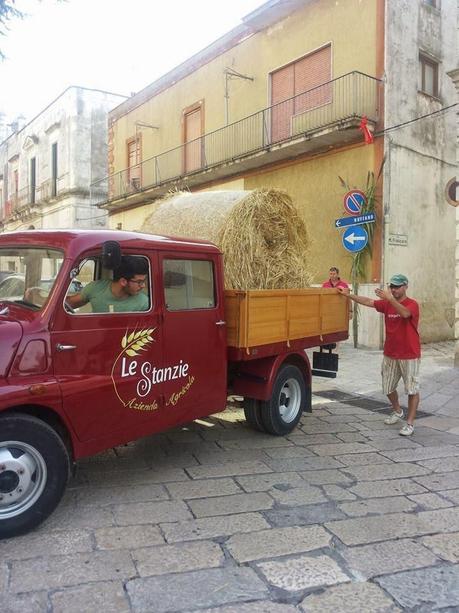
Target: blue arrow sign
<point x="355" y="239"/>
<point x="355" y="221"/>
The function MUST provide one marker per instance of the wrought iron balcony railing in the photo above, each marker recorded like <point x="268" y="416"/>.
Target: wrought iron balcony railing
<point x="26" y="196"/>
<point x="330" y="105"/>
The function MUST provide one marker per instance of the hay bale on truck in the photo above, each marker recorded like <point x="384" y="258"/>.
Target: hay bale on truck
<point x="263" y="239"/>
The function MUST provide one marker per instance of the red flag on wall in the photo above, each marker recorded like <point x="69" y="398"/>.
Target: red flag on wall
<point x="367" y="135"/>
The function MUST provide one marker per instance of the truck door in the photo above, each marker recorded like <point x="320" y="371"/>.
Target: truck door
<point x="194" y="378"/>
<point x="103" y="362"/>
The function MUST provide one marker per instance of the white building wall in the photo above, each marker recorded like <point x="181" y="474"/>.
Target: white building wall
<point x="420" y="159"/>
<point x="454" y="75"/>
<point x="77" y="122"/>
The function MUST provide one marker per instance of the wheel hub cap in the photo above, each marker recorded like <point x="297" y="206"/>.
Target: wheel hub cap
<point x="22" y="477"/>
<point x="9" y="481"/>
<point x="290" y="400"/>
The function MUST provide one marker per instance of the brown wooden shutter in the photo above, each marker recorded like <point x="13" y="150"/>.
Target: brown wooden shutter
<point x="134" y="166"/>
<point x="282" y="88"/>
<point x="310" y="73"/>
<point x="302" y="76"/>
<point x="193" y="126"/>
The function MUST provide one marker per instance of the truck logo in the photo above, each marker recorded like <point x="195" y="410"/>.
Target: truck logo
<point x="132" y="344"/>
<point x="146" y="374"/>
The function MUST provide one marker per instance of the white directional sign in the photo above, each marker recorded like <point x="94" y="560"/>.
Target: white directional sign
<point x="355" y="238"/>
<point x="355" y="221"/>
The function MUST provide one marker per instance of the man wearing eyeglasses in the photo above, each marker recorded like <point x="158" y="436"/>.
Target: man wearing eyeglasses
<point x="402" y="347"/>
<point x="122" y="294"/>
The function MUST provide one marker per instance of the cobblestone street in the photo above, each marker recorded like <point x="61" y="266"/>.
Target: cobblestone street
<point x="342" y="515"/>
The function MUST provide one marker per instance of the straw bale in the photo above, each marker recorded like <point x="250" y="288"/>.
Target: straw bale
<point x="262" y="237"/>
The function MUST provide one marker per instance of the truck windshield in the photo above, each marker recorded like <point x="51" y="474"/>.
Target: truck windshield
<point x="27" y="274"/>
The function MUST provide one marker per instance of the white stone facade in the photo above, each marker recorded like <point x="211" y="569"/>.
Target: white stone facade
<point x="47" y="166"/>
<point x="421" y="159"/>
<point x="454" y="74"/>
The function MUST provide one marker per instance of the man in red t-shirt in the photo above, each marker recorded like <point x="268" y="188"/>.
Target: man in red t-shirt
<point x="334" y="279"/>
<point x="402" y="348"/>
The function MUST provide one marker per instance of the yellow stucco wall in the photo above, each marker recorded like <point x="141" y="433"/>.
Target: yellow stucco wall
<point x="130" y="219"/>
<point x="234" y="184"/>
<point x="317" y="192"/>
<point x="321" y="22"/>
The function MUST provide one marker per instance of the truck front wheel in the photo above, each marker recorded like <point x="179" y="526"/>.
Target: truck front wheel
<point x="282" y="412"/>
<point x="34" y="469"/>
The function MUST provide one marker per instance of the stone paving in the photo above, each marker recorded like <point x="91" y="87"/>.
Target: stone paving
<point x="342" y="515"/>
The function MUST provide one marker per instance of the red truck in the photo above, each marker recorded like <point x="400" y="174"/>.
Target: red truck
<point x="74" y="382"/>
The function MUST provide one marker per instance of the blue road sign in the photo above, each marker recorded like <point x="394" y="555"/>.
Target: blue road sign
<point x="354" y="201"/>
<point x="355" y="239"/>
<point x="355" y="221"/>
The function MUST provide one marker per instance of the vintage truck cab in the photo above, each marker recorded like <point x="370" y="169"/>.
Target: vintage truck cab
<point x="74" y="382"/>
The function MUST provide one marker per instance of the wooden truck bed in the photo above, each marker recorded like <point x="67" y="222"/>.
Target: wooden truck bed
<point x="264" y="322"/>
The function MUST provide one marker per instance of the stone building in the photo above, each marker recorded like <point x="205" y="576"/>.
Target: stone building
<point x="452" y="194"/>
<point x="47" y="166"/>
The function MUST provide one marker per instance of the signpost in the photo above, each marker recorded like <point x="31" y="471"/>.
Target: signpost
<point x="355" y="221"/>
<point x="355" y="239"/>
<point x="354" y="201"/>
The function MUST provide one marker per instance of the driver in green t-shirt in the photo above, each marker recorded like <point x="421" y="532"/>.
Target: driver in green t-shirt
<point x="123" y="294"/>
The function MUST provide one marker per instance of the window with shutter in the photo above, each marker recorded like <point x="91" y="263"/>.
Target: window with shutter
<point x="134" y="166"/>
<point x="299" y="87"/>
<point x="428" y="76"/>
<point x="192" y="134"/>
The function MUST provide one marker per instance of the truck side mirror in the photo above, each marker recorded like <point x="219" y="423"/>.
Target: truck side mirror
<point x="111" y="255"/>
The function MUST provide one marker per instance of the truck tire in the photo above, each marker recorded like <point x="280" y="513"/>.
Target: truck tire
<point x="252" y="412"/>
<point x="282" y="412"/>
<point x="34" y="470"/>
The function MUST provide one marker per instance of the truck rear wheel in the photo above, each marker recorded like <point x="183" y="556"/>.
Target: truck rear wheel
<point x="282" y="412"/>
<point x="34" y="469"/>
<point x="252" y="412"/>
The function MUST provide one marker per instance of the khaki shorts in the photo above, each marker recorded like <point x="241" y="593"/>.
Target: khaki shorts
<point x="393" y="370"/>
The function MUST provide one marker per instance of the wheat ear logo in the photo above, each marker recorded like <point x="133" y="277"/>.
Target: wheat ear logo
<point x="132" y="345"/>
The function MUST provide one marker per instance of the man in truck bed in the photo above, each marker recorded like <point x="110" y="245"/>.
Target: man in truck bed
<point x="124" y="293"/>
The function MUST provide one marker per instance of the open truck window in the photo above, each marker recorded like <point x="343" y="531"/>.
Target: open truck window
<point x="94" y="281"/>
<point x="32" y="273"/>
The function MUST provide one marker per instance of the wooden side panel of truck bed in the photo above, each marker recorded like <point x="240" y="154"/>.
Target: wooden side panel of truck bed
<point x="262" y="317"/>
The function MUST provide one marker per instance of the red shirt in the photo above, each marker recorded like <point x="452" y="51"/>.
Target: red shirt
<point x="402" y="336"/>
<point x="339" y="283"/>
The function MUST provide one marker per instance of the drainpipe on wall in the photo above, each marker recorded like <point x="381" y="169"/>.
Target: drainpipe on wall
<point x="385" y="226"/>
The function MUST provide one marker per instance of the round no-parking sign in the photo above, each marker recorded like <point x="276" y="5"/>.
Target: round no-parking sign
<point x="354" y="201"/>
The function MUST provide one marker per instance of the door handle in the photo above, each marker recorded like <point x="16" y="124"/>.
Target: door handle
<point x="220" y="323"/>
<point x="60" y="347"/>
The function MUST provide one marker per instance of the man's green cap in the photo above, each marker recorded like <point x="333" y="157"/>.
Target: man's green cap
<point x="398" y="280"/>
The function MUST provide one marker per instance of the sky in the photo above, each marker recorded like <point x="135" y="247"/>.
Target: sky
<point x="113" y="45"/>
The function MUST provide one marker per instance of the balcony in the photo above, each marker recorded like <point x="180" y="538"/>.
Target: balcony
<point x="23" y="203"/>
<point x="19" y="206"/>
<point x="25" y="197"/>
<point x="318" y="119"/>
<point x="47" y="191"/>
